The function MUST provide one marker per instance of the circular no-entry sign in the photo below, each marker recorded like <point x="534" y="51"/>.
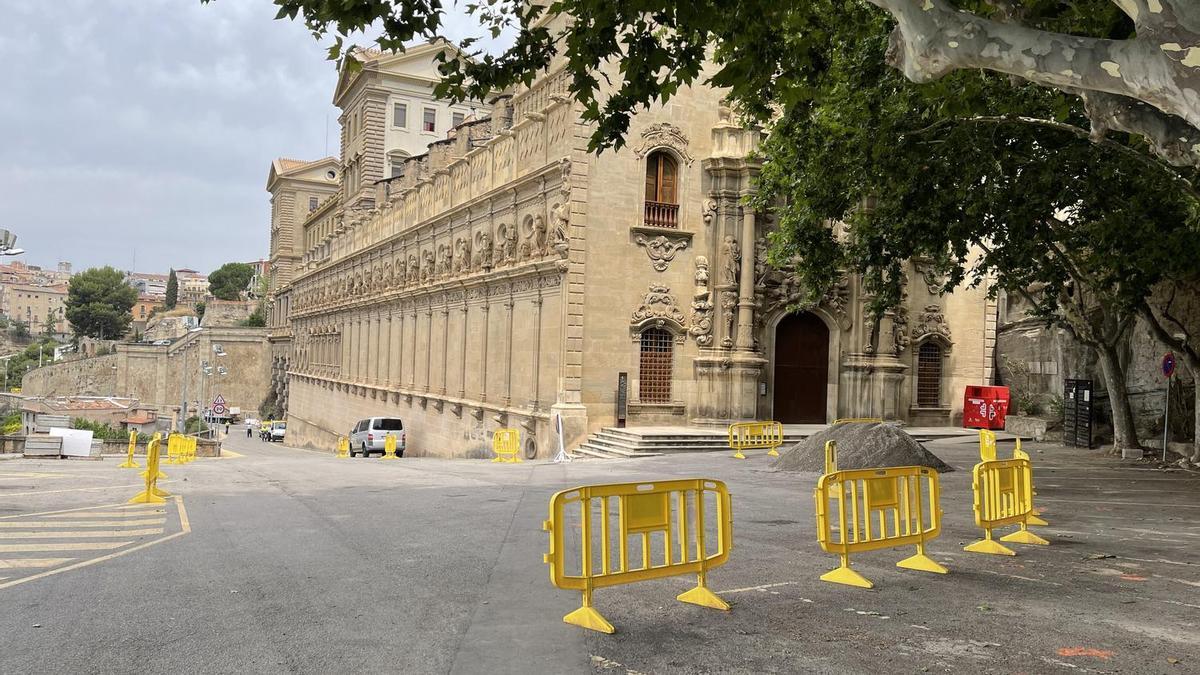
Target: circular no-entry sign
<point x="1168" y="364"/>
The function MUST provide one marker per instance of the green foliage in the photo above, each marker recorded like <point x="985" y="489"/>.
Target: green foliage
<point x="257" y="319"/>
<point x="766" y="51"/>
<point x="172" y="290"/>
<point x="98" y="303"/>
<point x="1054" y="406"/>
<point x="10" y="423"/>
<point x="19" y="331"/>
<point x="27" y="359"/>
<point x="230" y="280"/>
<point x="194" y="425"/>
<point x="200" y="306"/>
<point x="100" y="430"/>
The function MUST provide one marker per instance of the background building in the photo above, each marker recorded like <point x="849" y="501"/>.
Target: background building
<point x="43" y="308"/>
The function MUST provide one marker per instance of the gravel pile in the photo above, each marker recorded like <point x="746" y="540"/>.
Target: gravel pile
<point x="859" y="446"/>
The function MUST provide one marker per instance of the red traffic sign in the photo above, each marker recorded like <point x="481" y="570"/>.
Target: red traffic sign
<point x="1168" y="364"/>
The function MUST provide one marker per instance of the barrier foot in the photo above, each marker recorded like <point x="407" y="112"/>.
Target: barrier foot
<point x="847" y="576"/>
<point x="1024" y="536"/>
<point x="589" y="618"/>
<point x="989" y="546"/>
<point x="773" y="452"/>
<point x="392" y="457"/>
<point x="922" y="563"/>
<point x="1035" y="519"/>
<point x="127" y="464"/>
<point x="159" y="492"/>
<point x="700" y="595"/>
<point x="739" y="455"/>
<point x="146" y="497"/>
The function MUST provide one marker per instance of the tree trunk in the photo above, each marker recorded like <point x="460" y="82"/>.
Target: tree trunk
<point x="1124" y="429"/>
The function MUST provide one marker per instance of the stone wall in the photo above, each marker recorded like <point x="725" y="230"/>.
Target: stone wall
<point x="160" y="376"/>
<point x="94" y="376"/>
<point x="227" y="313"/>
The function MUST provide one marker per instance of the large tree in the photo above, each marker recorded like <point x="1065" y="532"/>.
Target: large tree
<point x="98" y="303"/>
<point x="172" y="290"/>
<point x="1087" y="233"/>
<point x="230" y="280"/>
<point x="1135" y="63"/>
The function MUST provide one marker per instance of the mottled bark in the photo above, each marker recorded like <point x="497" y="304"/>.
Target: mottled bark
<point x="1159" y="67"/>
<point x="1124" y="428"/>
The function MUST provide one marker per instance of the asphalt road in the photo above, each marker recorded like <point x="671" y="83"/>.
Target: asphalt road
<point x="286" y="560"/>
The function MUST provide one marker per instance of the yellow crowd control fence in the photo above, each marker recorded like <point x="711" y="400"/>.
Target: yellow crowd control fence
<point x="987" y="453"/>
<point x="1003" y="492"/>
<point x="152" y="494"/>
<point x="129" y="463"/>
<point x="755" y="436"/>
<point x="621" y="533"/>
<point x="506" y="445"/>
<point x="158" y="474"/>
<point x="389" y="447"/>
<point x="343" y="447"/>
<point x="867" y="509"/>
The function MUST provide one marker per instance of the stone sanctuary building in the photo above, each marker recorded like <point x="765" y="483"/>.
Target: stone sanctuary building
<point x="506" y="275"/>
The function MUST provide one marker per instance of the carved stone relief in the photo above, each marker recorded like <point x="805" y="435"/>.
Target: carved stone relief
<point x="661" y="249"/>
<point x="660" y="135"/>
<point x="659" y="308"/>
<point x="702" y="306"/>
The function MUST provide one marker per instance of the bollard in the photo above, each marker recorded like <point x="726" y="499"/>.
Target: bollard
<point x="343" y="447"/>
<point x="152" y="494"/>
<point x="389" y="447"/>
<point x="755" y="436"/>
<point x="129" y="463"/>
<point x="506" y="444"/>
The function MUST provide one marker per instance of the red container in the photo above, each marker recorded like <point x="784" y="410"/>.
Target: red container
<point x="985" y="407"/>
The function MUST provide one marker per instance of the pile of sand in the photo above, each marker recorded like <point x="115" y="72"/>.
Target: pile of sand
<point x="859" y="446"/>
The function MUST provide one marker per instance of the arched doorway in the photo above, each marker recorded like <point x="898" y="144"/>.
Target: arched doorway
<point x="801" y="369"/>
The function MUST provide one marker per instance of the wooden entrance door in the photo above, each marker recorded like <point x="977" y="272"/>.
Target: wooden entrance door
<point x="801" y="369"/>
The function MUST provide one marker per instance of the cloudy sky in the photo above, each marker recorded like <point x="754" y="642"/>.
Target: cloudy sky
<point x="146" y="127"/>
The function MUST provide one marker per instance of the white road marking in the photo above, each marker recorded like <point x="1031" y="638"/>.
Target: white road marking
<point x="80" y="534"/>
<point x="27" y="563"/>
<point x="82" y="523"/>
<point x="756" y="588"/>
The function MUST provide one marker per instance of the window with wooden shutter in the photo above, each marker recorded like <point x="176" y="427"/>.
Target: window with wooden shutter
<point x="655" y="366"/>
<point x="662" y="198"/>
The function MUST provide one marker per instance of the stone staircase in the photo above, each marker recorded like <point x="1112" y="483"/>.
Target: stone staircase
<point x="636" y="442"/>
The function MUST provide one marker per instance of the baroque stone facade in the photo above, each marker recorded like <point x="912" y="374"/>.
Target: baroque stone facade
<point x="509" y="275"/>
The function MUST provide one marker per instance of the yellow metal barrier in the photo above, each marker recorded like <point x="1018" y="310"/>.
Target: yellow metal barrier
<point x="755" y="435"/>
<point x="152" y="494"/>
<point x="868" y="509"/>
<point x="343" y="447"/>
<point x="129" y="463"/>
<point x="389" y="447"/>
<point x="858" y="420"/>
<point x="506" y="444"/>
<point x="189" y="449"/>
<point x="157" y="438"/>
<point x="174" y="449"/>
<point x="1003" y="492"/>
<point x="987" y="453"/>
<point x="683" y="512"/>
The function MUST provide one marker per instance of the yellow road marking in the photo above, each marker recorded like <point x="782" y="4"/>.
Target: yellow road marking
<point x="226" y="454"/>
<point x="108" y="514"/>
<point x="84" y="523"/>
<point x="26" y="563"/>
<point x="72" y="546"/>
<point x="183" y="522"/>
<point x="80" y="534"/>
<point x="136" y="486"/>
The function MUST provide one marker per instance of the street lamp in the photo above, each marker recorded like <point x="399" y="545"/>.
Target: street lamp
<point x="8" y="244"/>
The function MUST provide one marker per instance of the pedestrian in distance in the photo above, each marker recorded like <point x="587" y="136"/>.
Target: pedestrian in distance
<point x="249" y="429"/>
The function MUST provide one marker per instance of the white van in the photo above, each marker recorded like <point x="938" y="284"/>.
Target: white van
<point x="369" y="435"/>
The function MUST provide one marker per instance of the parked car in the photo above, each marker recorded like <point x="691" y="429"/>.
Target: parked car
<point x="369" y="435"/>
<point x="278" y="429"/>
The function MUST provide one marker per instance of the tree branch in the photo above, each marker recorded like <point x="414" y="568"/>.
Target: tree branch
<point x="932" y="38"/>
<point x="1173" y="139"/>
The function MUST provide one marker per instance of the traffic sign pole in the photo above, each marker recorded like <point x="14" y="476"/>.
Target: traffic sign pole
<point x="1168" y="369"/>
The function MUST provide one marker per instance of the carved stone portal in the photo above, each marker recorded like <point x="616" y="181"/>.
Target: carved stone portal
<point x="664" y="135"/>
<point x="661" y="249"/>
<point x="931" y="323"/>
<point x="702" y="306"/>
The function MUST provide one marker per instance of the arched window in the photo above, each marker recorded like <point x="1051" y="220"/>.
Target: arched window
<point x="662" y="194"/>
<point x="655" y="366"/>
<point x="929" y="375"/>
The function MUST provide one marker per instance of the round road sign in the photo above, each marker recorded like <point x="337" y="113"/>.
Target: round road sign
<point x="1168" y="364"/>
